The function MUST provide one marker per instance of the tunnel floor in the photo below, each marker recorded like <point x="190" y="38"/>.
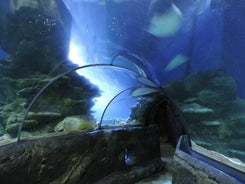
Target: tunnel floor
<point x="165" y="177"/>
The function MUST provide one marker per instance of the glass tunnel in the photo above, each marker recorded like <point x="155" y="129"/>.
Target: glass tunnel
<point x="85" y="65"/>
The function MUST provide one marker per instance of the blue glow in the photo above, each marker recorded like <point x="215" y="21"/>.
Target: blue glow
<point x="77" y="55"/>
<point x="109" y="82"/>
<point x="2" y="53"/>
<point x="90" y="44"/>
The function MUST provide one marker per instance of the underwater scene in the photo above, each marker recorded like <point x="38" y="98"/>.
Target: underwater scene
<point x="70" y="66"/>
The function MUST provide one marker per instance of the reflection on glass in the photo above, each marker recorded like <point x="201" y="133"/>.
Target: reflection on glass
<point x="213" y="111"/>
<point x="137" y="50"/>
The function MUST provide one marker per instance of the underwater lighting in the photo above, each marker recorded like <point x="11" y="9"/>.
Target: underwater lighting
<point x="101" y="78"/>
<point x="76" y="54"/>
<point x="89" y="45"/>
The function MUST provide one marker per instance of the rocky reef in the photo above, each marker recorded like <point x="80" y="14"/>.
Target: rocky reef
<point x="39" y="26"/>
<point x="36" y="35"/>
<point x="54" y="103"/>
<point x="215" y="115"/>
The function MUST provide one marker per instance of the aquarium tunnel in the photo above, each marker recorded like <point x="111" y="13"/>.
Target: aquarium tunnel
<point x="69" y="66"/>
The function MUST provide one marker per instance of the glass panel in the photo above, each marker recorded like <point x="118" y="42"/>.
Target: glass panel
<point x="193" y="49"/>
<point x="81" y="105"/>
<point x="211" y="96"/>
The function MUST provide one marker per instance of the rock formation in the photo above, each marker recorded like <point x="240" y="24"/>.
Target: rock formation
<point x="36" y="35"/>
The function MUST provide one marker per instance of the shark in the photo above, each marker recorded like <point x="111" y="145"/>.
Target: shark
<point x="176" y="61"/>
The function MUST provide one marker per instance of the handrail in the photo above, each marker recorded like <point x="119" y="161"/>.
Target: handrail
<point x="133" y="57"/>
<point x="102" y="116"/>
<point x="56" y="78"/>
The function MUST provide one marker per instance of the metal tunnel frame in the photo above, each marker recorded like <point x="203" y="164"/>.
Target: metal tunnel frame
<point x="61" y="75"/>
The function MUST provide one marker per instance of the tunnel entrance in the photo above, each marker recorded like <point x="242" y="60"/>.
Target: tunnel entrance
<point x="164" y="112"/>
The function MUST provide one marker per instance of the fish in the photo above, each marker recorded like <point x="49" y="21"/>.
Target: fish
<point x="165" y="24"/>
<point x="75" y="123"/>
<point x="190" y="100"/>
<point x="150" y="87"/>
<point x="176" y="61"/>
<point x="147" y="82"/>
<point x="211" y="123"/>
<point x="142" y="91"/>
<point x="195" y="108"/>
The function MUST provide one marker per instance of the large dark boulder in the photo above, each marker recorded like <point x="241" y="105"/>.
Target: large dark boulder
<point x="36" y="36"/>
<point x="48" y="27"/>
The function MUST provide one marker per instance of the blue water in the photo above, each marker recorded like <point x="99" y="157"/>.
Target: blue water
<point x="210" y="34"/>
<point x="146" y="37"/>
<point x="204" y="30"/>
